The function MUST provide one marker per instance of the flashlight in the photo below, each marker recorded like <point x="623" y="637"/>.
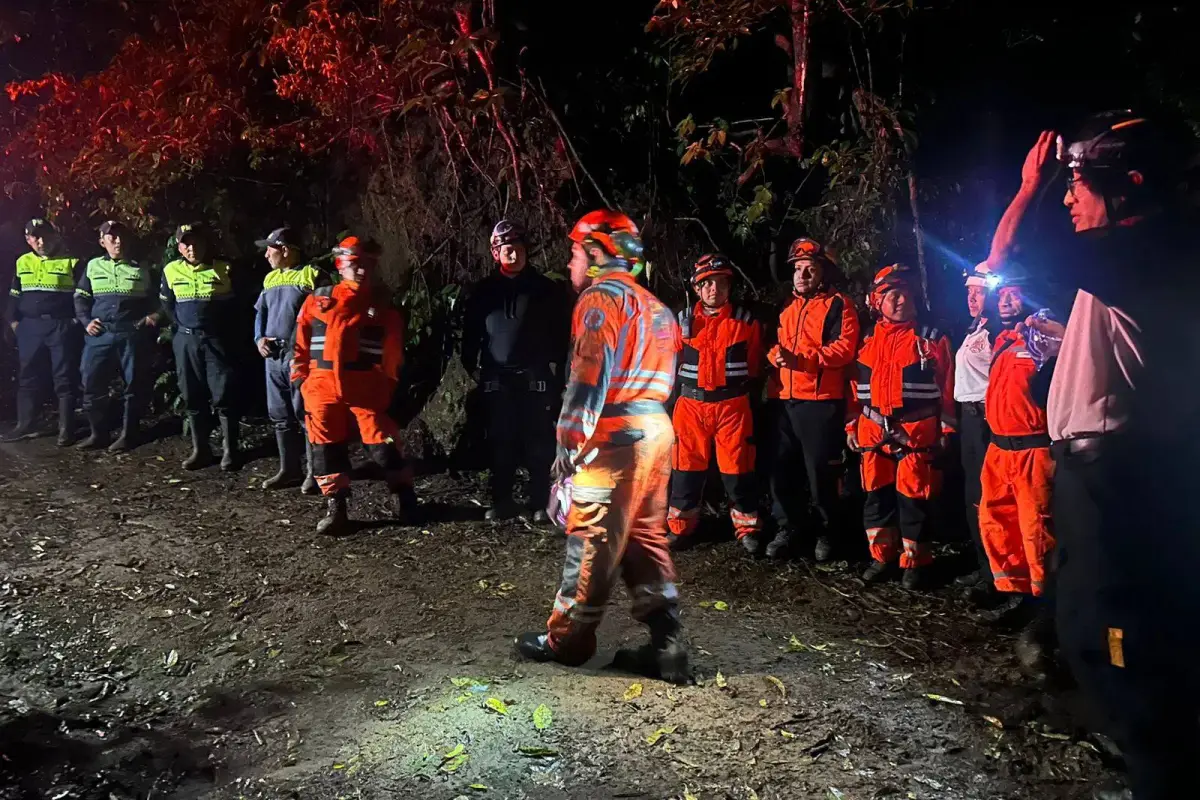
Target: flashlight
<point x="993" y="280"/>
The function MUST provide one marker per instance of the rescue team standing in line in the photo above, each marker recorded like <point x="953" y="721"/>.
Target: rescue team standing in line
<point x="1077" y="436"/>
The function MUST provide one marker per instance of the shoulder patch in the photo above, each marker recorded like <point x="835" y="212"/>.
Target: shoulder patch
<point x="593" y="319"/>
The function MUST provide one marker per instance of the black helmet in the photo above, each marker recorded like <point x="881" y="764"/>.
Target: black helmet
<point x="1113" y="140"/>
<point x="507" y="232"/>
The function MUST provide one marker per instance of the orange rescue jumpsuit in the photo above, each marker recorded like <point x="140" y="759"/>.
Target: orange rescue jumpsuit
<point x="348" y="353"/>
<point x="616" y="431"/>
<point x="1018" y="473"/>
<point x="903" y="403"/>
<point x="722" y="354"/>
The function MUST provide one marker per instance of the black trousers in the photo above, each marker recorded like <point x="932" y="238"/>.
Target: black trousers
<point x="125" y="351"/>
<point x="205" y="370"/>
<point x="521" y="434"/>
<point x="806" y="445"/>
<point x="1126" y="605"/>
<point x="973" y="444"/>
<point x="53" y="342"/>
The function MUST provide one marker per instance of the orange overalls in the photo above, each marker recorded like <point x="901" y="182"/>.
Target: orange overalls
<point x="903" y="403"/>
<point x="349" y="350"/>
<point x="1018" y="473"/>
<point x="616" y="431"/>
<point x="722" y="354"/>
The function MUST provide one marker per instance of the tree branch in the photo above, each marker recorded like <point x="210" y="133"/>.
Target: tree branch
<point x="571" y="147"/>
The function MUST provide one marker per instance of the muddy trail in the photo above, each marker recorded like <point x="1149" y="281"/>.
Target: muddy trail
<point x="177" y="635"/>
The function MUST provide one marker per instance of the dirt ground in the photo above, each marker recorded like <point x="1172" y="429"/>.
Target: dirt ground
<point x="176" y="635"/>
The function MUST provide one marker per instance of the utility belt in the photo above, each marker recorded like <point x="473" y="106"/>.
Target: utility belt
<point x="519" y="381"/>
<point x="210" y="332"/>
<point x="1016" y="443"/>
<point x="635" y="408"/>
<point x="122" y="325"/>
<point x="693" y="392"/>
<point x="896" y="443"/>
<point x="973" y="408"/>
<point x="1090" y="446"/>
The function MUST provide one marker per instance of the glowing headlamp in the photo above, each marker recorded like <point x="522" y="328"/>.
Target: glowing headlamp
<point x="993" y="280"/>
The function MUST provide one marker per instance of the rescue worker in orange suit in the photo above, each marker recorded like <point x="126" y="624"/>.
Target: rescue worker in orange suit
<point x="614" y="440"/>
<point x="1018" y="472"/>
<point x="817" y="340"/>
<point x="348" y="353"/>
<point x="1122" y="413"/>
<point x="721" y="358"/>
<point x="903" y="408"/>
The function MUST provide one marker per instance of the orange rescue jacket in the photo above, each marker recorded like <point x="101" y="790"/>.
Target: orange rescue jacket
<point x="720" y="351"/>
<point x="622" y="362"/>
<point x="349" y="346"/>
<point x="818" y="337"/>
<point x="906" y="372"/>
<point x="1009" y="406"/>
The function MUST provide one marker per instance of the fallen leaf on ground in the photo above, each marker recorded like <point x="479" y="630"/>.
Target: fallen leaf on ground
<point x="537" y="752"/>
<point x="382" y="703"/>
<point x="938" y="698"/>
<point x="778" y="684"/>
<point x="507" y="587"/>
<point x="721" y="605"/>
<point x="762" y="703"/>
<point x="465" y="682"/>
<point x="455" y="753"/>
<point x="479" y="787"/>
<point x="721" y="682"/>
<point x="787" y="734"/>
<point x="653" y="738"/>
<point x="172" y="659"/>
<point x="687" y="794"/>
<point x="633" y="692"/>
<point x="542" y="717"/>
<point x="497" y="705"/>
<point x="455" y="763"/>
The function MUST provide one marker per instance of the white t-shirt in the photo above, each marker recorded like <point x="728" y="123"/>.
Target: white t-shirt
<point x="971" y="365"/>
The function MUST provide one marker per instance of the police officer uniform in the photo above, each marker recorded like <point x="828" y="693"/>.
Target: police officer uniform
<point x="43" y="315"/>
<point x="119" y="295"/>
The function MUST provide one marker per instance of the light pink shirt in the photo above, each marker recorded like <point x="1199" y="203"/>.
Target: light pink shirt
<point x="1099" y="363"/>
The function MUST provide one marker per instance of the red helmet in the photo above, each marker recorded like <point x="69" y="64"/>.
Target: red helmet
<point x="805" y="248"/>
<point x="711" y="265"/>
<point x="356" y="251"/>
<point x="613" y="232"/>
<point x="890" y="277"/>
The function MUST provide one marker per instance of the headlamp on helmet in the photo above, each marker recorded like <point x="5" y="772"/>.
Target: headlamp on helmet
<point x="614" y="233"/>
<point x="356" y="252"/>
<point x="710" y="266"/>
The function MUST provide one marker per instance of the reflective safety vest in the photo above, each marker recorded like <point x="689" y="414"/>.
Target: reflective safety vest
<point x="906" y="371"/>
<point x="720" y="351"/>
<point x="43" y="287"/>
<point x="283" y="293"/>
<point x="190" y="292"/>
<point x="112" y="291"/>
<point x="1011" y="409"/>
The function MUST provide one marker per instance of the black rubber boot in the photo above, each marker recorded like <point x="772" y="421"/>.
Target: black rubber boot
<point x="309" y="486"/>
<point x="202" y="454"/>
<point x="98" y="437"/>
<point x="878" y="571"/>
<point x="974" y="578"/>
<point x="501" y="510"/>
<point x="664" y="657"/>
<point x="66" y="422"/>
<point x="781" y="544"/>
<point x="130" y="432"/>
<point x="1112" y="794"/>
<point x="912" y="578"/>
<point x="534" y="647"/>
<point x="290" y="472"/>
<point x="824" y="549"/>
<point x="27" y="419"/>
<point x="406" y="508"/>
<point x="750" y="544"/>
<point x="336" y="520"/>
<point x="230" y="455"/>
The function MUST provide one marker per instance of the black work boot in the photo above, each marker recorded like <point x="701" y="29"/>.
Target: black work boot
<point x="974" y="578"/>
<point x="750" y="543"/>
<point x="406" y="507"/>
<point x="781" y="544"/>
<point x="534" y="647"/>
<point x="309" y="486"/>
<point x="98" y="437"/>
<point x="664" y="657"/>
<point x="336" y="520"/>
<point x="129" y="431"/>
<point x="290" y="472"/>
<point x="912" y="578"/>
<point x="27" y="418"/>
<point x="679" y="542"/>
<point x="500" y="510"/>
<point x="824" y="549"/>
<point x="230" y="457"/>
<point x="66" y="422"/>
<point x="878" y="571"/>
<point x="202" y="454"/>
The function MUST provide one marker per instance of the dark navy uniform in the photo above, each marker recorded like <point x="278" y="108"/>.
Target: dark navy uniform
<point x="283" y="293"/>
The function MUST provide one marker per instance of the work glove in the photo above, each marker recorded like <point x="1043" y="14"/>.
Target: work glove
<point x="562" y="467"/>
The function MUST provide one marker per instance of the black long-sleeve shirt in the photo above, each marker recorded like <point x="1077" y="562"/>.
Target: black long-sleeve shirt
<point x="519" y="323"/>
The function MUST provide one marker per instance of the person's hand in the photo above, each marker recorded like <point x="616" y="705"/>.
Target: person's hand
<point x="1042" y="153"/>
<point x="150" y="321"/>
<point x="1046" y="327"/>
<point x="562" y="467"/>
<point x="94" y="328"/>
<point x="264" y="347"/>
<point x="13" y="326"/>
<point x="852" y="442"/>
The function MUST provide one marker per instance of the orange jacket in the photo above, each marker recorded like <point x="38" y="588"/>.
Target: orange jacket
<point x="1010" y="408"/>
<point x="719" y="350"/>
<point x="349" y="346"/>
<point x="818" y="337"/>
<point x="622" y="362"/>
<point x="905" y="371"/>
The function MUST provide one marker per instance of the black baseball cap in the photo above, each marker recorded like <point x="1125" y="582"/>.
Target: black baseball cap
<point x="38" y="227"/>
<point x="191" y="229"/>
<point x="280" y="237"/>
<point x="113" y="227"/>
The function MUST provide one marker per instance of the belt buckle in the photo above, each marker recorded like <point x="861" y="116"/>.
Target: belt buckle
<point x="538" y="386"/>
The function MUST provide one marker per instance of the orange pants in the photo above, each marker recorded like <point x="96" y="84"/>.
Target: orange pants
<point x="617" y="523"/>
<point x="900" y="485"/>
<point x="1014" y="516"/>
<point x="699" y="425"/>
<point x="329" y="431"/>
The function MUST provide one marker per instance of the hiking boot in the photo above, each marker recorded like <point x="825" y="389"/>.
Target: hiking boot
<point x="1005" y="612"/>
<point x="912" y="578"/>
<point x="289" y="473"/>
<point x="664" y="657"/>
<point x="501" y="510"/>
<point x="66" y="422"/>
<point x="535" y="647"/>
<point x="202" y="454"/>
<point x="309" y="487"/>
<point x="129" y="431"/>
<point x="230" y="457"/>
<point x="878" y="571"/>
<point x="98" y="436"/>
<point x="681" y="542"/>
<point x="540" y="517"/>
<point x="336" y="520"/>
<point x="27" y="419"/>
<point x="974" y="578"/>
<point x="1112" y="794"/>
<point x="824" y="549"/>
<point x="750" y="544"/>
<point x="781" y="544"/>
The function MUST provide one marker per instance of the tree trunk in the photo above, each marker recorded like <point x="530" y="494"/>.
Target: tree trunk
<point x="801" y="11"/>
